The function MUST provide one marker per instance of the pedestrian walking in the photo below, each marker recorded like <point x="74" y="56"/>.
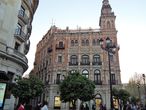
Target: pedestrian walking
<point x="101" y="106"/>
<point x="45" y="106"/>
<point x="93" y="107"/>
<point x="87" y="107"/>
<point x="39" y="105"/>
<point x="104" y="107"/>
<point x="21" y="107"/>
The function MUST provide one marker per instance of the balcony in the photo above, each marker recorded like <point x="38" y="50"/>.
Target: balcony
<point x="26" y="46"/>
<point x="28" y="2"/>
<point x="50" y="49"/>
<point x="29" y="28"/>
<point x="19" y="34"/>
<point x="73" y="63"/>
<point x="98" y="82"/>
<point x="23" y="16"/>
<point x="97" y="63"/>
<point x="60" y="46"/>
<point x="57" y="81"/>
<point x="85" y="63"/>
<point x="12" y="54"/>
<point x="114" y="82"/>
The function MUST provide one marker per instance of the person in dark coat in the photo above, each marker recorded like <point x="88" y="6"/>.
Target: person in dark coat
<point x="93" y="107"/>
<point x="86" y="107"/>
<point x="39" y="105"/>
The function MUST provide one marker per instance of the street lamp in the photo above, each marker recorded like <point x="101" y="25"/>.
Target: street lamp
<point x="110" y="47"/>
<point x="143" y="75"/>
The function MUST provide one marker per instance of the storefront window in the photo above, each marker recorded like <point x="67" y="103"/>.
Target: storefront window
<point x="57" y="102"/>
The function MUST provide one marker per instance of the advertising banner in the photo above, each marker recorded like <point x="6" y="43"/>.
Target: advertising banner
<point x="2" y="93"/>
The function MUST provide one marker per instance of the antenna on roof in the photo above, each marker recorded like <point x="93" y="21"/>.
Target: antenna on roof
<point x="53" y="22"/>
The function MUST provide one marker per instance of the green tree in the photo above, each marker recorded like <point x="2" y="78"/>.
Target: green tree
<point x="75" y="86"/>
<point x="124" y="95"/>
<point x="121" y="94"/>
<point x="136" y="87"/>
<point x="115" y="93"/>
<point x="28" y="88"/>
<point x="132" y="87"/>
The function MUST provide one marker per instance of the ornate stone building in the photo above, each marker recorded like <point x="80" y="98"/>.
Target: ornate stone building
<point x="16" y="18"/>
<point x="64" y="50"/>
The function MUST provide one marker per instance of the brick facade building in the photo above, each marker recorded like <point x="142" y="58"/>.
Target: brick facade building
<point x="64" y="50"/>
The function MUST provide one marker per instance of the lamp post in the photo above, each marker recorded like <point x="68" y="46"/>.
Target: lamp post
<point x="143" y="75"/>
<point x="110" y="47"/>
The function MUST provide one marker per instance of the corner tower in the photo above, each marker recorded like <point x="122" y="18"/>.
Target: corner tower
<point x="107" y="17"/>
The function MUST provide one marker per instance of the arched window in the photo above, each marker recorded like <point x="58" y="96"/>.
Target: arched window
<point x="87" y="42"/>
<point x="83" y="43"/>
<point x="93" y="42"/>
<point x="97" y="77"/>
<point x="96" y="60"/>
<point x="76" y="42"/>
<point x="72" y="43"/>
<point x="108" y="24"/>
<point x="85" y="73"/>
<point x="98" y="42"/>
<point x="73" y="60"/>
<point x="85" y="60"/>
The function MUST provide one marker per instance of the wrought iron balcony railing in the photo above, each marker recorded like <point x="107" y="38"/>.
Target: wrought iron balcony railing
<point x="60" y="46"/>
<point x="20" y="35"/>
<point x="23" y="16"/>
<point x="98" y="82"/>
<point x="85" y="63"/>
<point x="73" y="63"/>
<point x="97" y="63"/>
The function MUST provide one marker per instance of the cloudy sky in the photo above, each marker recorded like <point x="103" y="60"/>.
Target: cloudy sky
<point x="130" y="23"/>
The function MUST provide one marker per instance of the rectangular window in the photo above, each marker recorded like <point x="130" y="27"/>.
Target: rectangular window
<point x="113" y="77"/>
<point x="74" y="60"/>
<point x="60" y="44"/>
<point x="97" y="79"/>
<point x="18" y="29"/>
<point x="22" y="11"/>
<point x="96" y="59"/>
<point x="85" y="60"/>
<point x="113" y="80"/>
<point x="59" y="59"/>
<point x="58" y="78"/>
<point x="17" y="46"/>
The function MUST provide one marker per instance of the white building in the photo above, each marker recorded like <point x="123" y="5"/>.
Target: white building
<point x="15" y="29"/>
